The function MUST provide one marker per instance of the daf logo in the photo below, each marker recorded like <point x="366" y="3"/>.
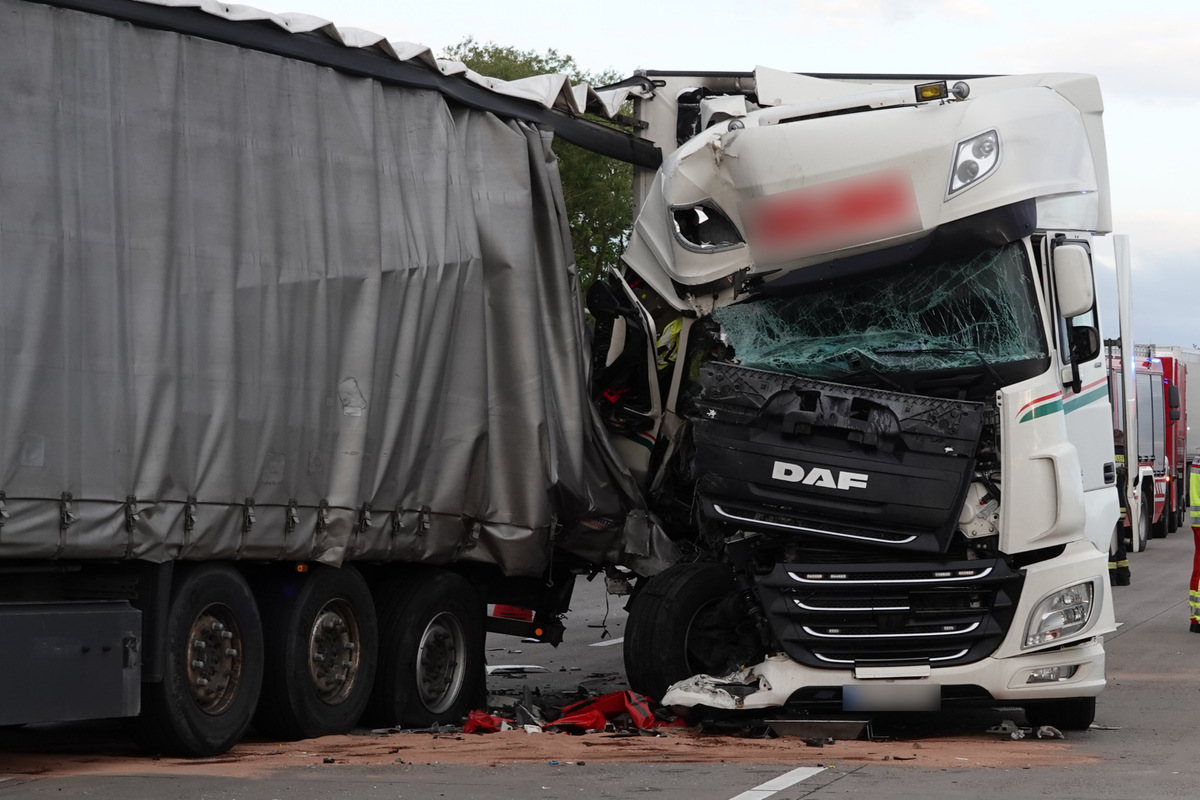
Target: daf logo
<point x="819" y="476"/>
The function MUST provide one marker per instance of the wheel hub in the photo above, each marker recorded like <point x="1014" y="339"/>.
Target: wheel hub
<point x="335" y="652"/>
<point x="214" y="656"/>
<point x="440" y="667"/>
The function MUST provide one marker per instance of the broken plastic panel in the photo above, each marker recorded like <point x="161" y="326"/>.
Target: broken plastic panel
<point x="927" y="315"/>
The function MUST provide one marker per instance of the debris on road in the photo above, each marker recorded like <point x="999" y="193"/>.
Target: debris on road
<point x="596" y="713"/>
<point x="514" y="670"/>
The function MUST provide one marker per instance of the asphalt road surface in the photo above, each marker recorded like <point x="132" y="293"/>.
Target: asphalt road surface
<point x="1145" y="743"/>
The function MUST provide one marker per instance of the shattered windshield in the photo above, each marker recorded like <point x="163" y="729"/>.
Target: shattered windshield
<point x="975" y="311"/>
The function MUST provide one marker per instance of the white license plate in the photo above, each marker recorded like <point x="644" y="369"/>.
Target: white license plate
<point x="892" y="696"/>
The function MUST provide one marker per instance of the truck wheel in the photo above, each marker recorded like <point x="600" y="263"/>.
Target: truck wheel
<point x="685" y="622"/>
<point x="321" y="637"/>
<point x="1141" y="534"/>
<point x="1071" y="714"/>
<point x="1158" y="530"/>
<point x="431" y="668"/>
<point x="213" y="668"/>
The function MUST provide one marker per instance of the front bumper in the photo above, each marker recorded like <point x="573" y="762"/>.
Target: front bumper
<point x="1002" y="676"/>
<point x="777" y="680"/>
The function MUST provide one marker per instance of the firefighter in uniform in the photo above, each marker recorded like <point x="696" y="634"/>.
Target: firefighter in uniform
<point x="1194" y="511"/>
<point x="1118" y="559"/>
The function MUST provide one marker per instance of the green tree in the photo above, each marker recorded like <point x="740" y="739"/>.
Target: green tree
<point x="598" y="190"/>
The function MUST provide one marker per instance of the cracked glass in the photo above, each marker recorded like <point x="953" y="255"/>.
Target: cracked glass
<point x="927" y="315"/>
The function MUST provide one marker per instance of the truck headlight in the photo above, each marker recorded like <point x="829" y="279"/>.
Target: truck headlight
<point x="1061" y="614"/>
<point x="974" y="159"/>
<point x="704" y="228"/>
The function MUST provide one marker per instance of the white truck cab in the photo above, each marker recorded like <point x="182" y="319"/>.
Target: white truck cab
<point x="855" y="359"/>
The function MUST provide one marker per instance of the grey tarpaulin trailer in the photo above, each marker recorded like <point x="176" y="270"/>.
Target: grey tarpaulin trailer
<point x="293" y="372"/>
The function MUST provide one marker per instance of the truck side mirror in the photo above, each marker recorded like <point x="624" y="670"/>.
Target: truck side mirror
<point x="1173" y="398"/>
<point x="1073" y="280"/>
<point x="1085" y="343"/>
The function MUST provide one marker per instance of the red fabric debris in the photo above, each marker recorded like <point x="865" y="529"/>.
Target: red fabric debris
<point x="479" y="722"/>
<point x="591" y="715"/>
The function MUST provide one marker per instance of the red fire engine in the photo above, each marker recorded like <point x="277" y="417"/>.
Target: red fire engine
<point x="1156" y="459"/>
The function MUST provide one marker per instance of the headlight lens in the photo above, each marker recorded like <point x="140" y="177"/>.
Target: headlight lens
<point x="1063" y="613"/>
<point x="974" y="160"/>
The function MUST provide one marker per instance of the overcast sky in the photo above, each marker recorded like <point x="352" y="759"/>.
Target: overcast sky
<point x="1146" y="54"/>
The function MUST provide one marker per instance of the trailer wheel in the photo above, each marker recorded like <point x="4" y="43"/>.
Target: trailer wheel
<point x="213" y="668"/>
<point x="321" y="637"/>
<point x="688" y="620"/>
<point x="431" y="668"/>
<point x="1070" y="714"/>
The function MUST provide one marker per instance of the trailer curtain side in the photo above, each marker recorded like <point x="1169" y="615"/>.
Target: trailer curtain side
<point x="256" y="308"/>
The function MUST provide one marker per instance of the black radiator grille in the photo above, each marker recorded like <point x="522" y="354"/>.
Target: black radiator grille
<point x="943" y="614"/>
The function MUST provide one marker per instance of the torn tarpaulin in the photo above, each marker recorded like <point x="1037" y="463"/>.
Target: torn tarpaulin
<point x="593" y="714"/>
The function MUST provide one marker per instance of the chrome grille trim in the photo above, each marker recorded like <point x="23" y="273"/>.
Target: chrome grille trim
<point x="865" y="609"/>
<point x="852" y="661"/>
<point x="900" y="582"/>
<point x="811" y="632"/>
<point x="804" y="529"/>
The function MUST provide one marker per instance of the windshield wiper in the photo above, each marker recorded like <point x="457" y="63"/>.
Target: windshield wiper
<point x="877" y="375"/>
<point x="919" y="350"/>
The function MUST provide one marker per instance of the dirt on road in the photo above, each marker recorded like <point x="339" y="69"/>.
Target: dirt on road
<point x="35" y="755"/>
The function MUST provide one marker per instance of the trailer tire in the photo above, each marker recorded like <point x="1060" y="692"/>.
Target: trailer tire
<point x="686" y="621"/>
<point x="431" y="666"/>
<point x="1070" y="714"/>
<point x="322" y="638"/>
<point x="212" y="670"/>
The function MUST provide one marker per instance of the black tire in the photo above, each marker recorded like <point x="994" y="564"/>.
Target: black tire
<point x="1070" y="714"/>
<point x="431" y="668"/>
<point x="1159" y="530"/>
<point x="322" y="639"/>
<point x="213" y="669"/>
<point x="688" y="620"/>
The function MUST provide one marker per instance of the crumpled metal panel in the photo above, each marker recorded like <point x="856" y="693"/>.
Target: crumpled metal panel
<point x="258" y="309"/>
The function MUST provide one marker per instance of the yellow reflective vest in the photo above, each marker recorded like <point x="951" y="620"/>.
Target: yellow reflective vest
<point x="1194" y="492"/>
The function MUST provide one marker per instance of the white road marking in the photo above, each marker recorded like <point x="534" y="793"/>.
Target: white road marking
<point x="617" y="640"/>
<point x="779" y="784"/>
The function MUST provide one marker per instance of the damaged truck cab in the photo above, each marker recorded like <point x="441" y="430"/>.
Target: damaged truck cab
<point x="855" y="360"/>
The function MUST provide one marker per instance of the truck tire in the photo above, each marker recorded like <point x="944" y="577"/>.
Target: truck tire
<point x="685" y="622"/>
<point x="322" y="638"/>
<point x="1140" y="535"/>
<point x="1070" y="714"/>
<point x="213" y="667"/>
<point x="1159" y="530"/>
<point x="431" y="668"/>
